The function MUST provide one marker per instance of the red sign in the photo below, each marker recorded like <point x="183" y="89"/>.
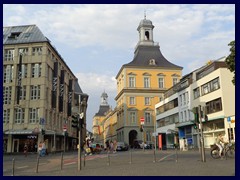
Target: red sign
<point x="142" y="119"/>
<point x="64" y="127"/>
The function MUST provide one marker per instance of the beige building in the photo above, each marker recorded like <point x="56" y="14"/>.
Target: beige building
<point x="39" y="92"/>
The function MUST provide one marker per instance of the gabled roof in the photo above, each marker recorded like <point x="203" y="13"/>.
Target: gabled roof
<point x="22" y="34"/>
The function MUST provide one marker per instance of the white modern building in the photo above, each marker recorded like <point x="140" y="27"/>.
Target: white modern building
<point x="209" y="86"/>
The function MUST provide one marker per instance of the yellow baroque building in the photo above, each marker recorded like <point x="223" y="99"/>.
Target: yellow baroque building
<point x="140" y="85"/>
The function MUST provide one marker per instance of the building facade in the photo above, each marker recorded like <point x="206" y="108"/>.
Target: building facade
<point x="208" y="87"/>
<point x="99" y="119"/>
<point x="140" y="85"/>
<point x="39" y="92"/>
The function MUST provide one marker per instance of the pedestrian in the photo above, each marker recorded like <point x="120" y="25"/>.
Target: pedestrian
<point x="114" y="146"/>
<point x="25" y="149"/>
<point x="43" y="149"/>
<point x="107" y="145"/>
<point x="219" y="142"/>
<point x="40" y="148"/>
<point x="111" y="146"/>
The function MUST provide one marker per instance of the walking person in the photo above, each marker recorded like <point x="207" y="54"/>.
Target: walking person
<point x="25" y="149"/>
<point x="114" y="146"/>
<point x="40" y="148"/>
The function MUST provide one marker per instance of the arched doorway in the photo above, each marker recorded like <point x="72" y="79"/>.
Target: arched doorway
<point x="131" y="136"/>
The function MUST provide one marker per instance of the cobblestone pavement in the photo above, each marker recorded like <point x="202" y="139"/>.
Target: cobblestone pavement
<point x="128" y="163"/>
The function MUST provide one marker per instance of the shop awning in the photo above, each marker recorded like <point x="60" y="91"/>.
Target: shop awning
<point x="19" y="131"/>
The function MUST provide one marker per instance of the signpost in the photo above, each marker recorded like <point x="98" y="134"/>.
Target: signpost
<point x="142" y="123"/>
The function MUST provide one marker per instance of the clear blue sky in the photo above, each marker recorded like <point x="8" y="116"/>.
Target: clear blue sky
<point x="96" y="40"/>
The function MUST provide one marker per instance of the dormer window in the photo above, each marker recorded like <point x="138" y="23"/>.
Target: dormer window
<point x="14" y="35"/>
<point x="152" y="62"/>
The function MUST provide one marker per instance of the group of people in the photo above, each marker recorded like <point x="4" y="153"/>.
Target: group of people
<point x="111" y="146"/>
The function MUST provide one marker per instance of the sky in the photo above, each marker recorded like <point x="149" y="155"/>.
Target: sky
<point x="95" y="40"/>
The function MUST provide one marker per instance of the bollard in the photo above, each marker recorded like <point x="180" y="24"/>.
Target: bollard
<point x="176" y="154"/>
<point x="108" y="157"/>
<point x="37" y="164"/>
<point x="154" y="155"/>
<point x="84" y="160"/>
<point x="13" y="166"/>
<point x="130" y="156"/>
<point x="61" y="160"/>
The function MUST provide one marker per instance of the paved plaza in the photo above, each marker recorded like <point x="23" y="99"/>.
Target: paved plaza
<point x="135" y="163"/>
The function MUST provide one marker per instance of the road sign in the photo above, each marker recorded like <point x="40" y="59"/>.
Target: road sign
<point x="142" y="120"/>
<point x="64" y="127"/>
<point x="229" y="119"/>
<point x="42" y="121"/>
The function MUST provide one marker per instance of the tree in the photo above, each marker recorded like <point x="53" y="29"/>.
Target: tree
<point x="230" y="60"/>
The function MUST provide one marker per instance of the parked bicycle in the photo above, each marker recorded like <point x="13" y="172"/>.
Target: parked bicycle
<point x="228" y="151"/>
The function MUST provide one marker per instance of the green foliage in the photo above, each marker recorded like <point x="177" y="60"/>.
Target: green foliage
<point x="230" y="60"/>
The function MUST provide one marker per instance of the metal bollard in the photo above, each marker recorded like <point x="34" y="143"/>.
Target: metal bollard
<point x="84" y="160"/>
<point x="130" y="156"/>
<point x="37" y="164"/>
<point x="61" y="160"/>
<point x="108" y="157"/>
<point x="154" y="156"/>
<point x="176" y="154"/>
<point x="13" y="166"/>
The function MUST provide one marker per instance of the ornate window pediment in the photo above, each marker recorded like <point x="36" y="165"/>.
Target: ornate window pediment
<point x="132" y="74"/>
<point x="146" y="74"/>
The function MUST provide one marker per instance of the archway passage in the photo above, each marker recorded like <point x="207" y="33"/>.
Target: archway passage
<point x="132" y="135"/>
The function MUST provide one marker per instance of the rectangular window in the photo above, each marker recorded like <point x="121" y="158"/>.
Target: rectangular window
<point x="36" y="70"/>
<point x="36" y="51"/>
<point x="175" y="81"/>
<point x="133" y="117"/>
<point x="160" y="82"/>
<point x="146" y="82"/>
<point x="132" y="101"/>
<point x="214" y="106"/>
<point x="8" y="73"/>
<point x="6" y="116"/>
<point x="35" y="92"/>
<point x="205" y="89"/>
<point x="215" y="84"/>
<point x="131" y="82"/>
<point x="24" y="70"/>
<point x="147" y="116"/>
<point x="147" y="101"/>
<point x="22" y="92"/>
<point x="19" y="115"/>
<point x="7" y="94"/>
<point x="8" y="55"/>
<point x="24" y="51"/>
<point x="33" y="116"/>
<point x="196" y="93"/>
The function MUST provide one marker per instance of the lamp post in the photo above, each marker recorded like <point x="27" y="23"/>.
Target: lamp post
<point x="155" y="141"/>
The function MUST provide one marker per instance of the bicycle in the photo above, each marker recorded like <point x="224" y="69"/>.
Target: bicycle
<point x="228" y="151"/>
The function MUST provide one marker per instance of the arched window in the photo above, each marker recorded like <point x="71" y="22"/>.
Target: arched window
<point x="146" y="35"/>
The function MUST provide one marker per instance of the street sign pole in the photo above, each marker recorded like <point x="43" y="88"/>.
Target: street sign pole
<point x="202" y="139"/>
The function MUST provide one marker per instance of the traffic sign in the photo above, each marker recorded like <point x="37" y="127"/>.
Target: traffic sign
<point x="142" y="120"/>
<point x="64" y="127"/>
<point x="229" y="119"/>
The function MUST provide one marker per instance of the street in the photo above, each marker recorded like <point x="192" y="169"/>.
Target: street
<point x="127" y="163"/>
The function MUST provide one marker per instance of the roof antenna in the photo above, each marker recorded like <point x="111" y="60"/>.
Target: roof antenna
<point x="145" y="14"/>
